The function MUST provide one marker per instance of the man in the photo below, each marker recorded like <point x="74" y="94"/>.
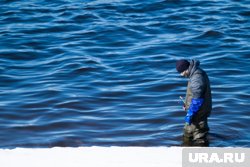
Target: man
<point x="198" y="103"/>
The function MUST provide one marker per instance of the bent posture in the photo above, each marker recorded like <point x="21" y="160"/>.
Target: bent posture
<point x="198" y="103"/>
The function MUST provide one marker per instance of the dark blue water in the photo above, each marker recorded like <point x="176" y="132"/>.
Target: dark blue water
<point x="102" y="72"/>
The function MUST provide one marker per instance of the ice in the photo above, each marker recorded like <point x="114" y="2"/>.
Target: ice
<point x="92" y="157"/>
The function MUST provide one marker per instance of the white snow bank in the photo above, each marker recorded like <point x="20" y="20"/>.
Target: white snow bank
<point x="92" y="157"/>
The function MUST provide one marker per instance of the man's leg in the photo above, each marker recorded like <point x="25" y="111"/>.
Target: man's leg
<point x="200" y="134"/>
<point x="188" y="135"/>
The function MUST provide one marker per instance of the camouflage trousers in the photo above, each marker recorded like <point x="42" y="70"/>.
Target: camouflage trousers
<point x="196" y="134"/>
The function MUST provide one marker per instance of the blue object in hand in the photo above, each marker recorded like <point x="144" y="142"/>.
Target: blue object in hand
<point x="193" y="109"/>
<point x="188" y="119"/>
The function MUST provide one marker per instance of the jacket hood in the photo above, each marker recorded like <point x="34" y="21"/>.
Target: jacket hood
<point x="194" y="64"/>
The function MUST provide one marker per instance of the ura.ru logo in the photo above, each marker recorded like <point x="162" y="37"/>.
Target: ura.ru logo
<point x="216" y="158"/>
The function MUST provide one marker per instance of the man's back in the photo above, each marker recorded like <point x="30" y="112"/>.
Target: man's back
<point x="200" y="83"/>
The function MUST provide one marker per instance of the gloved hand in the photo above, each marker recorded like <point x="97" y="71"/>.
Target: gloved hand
<point x="188" y="119"/>
<point x="193" y="109"/>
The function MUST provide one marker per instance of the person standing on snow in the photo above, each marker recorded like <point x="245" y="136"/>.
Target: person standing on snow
<point x="198" y="103"/>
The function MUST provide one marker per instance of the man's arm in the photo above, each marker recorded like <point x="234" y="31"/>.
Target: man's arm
<point x="197" y="87"/>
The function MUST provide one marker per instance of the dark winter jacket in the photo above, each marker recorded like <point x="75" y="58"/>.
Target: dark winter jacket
<point x="199" y="87"/>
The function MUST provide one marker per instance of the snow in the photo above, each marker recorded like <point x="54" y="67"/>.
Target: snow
<point x="92" y="157"/>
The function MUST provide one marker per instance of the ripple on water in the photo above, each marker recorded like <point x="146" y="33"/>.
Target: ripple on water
<point x="103" y="72"/>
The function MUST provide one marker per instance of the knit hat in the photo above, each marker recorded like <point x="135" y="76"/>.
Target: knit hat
<point x="182" y="65"/>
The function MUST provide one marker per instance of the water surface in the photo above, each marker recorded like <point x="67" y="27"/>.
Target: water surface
<point x="102" y="72"/>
